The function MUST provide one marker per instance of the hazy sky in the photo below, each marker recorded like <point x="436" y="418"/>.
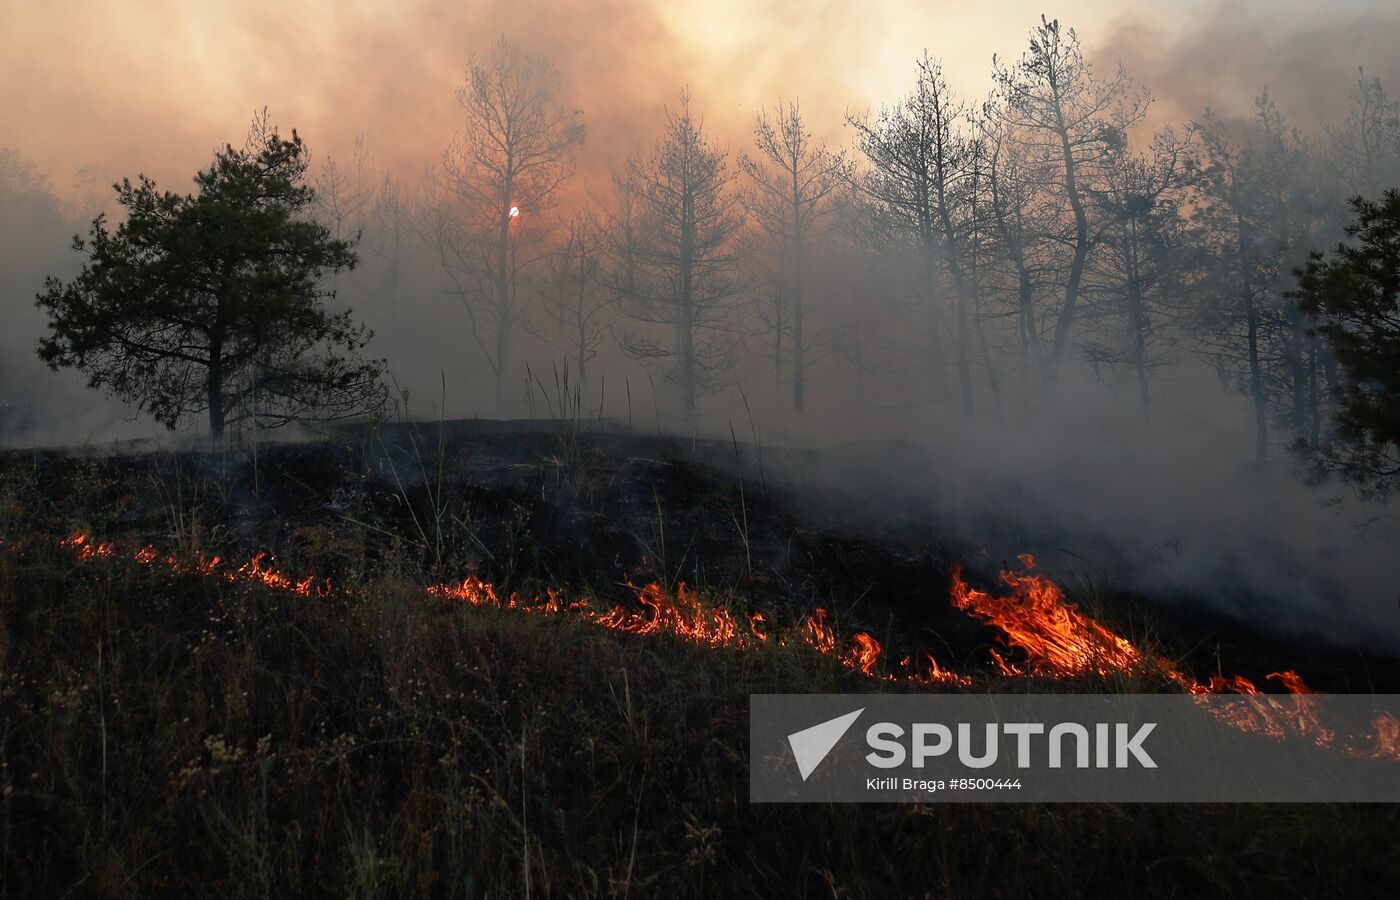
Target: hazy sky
<point x="155" y="85"/>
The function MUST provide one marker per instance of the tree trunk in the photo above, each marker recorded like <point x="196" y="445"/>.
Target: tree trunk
<point x="685" y="320"/>
<point x="1031" y="350"/>
<point x="993" y="379"/>
<point x="778" y="334"/>
<point x="1314" y="394"/>
<point x="938" y="379"/>
<point x="215" y="388"/>
<point x="1256" y="382"/>
<point x="960" y="350"/>
<point x="1081" y="253"/>
<point x="581" y="322"/>
<point x="799" y="362"/>
<point x="1137" y="323"/>
<point x="1256" y="374"/>
<point x="1297" y="369"/>
<point x="214" y="385"/>
<point x="955" y="272"/>
<point x="502" y="364"/>
<point x="503" y="286"/>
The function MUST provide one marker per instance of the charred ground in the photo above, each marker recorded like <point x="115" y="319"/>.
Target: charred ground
<point x="157" y="724"/>
<point x="530" y="505"/>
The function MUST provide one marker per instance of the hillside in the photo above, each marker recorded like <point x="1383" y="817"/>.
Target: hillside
<point x="316" y="722"/>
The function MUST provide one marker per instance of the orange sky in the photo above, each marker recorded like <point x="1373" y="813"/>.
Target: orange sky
<point x="155" y="85"/>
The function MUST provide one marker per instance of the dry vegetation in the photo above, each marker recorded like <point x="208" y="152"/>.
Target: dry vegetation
<point x="172" y="735"/>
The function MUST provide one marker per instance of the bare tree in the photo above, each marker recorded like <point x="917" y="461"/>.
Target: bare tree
<point x="622" y="237"/>
<point x="1069" y="124"/>
<point x="686" y="277"/>
<point x="1365" y="149"/>
<point x="344" y="194"/>
<point x="501" y="178"/>
<point x="1016" y="233"/>
<point x="791" y="200"/>
<point x="1143" y="259"/>
<point x="575" y="294"/>
<point x="921" y="183"/>
<point x="982" y="241"/>
<point x="1255" y="213"/>
<point x="392" y="221"/>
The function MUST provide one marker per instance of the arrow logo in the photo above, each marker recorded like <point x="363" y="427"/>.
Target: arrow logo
<point x="811" y="745"/>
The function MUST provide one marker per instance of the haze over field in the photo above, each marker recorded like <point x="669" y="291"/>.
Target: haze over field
<point x="1146" y="430"/>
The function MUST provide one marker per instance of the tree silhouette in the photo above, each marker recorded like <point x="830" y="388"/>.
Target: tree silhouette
<point x="795" y="177"/>
<point x="1354" y="296"/>
<point x="1068" y="124"/>
<point x="687" y="278"/>
<point x="576" y="300"/>
<point x="1365" y="148"/>
<point x="1254" y="213"/>
<point x="920" y="183"/>
<point x="214" y="302"/>
<point x="501" y="178"/>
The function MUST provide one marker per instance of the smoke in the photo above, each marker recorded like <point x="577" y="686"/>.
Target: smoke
<point x="1306" y="57"/>
<point x="1172" y="507"/>
<point x="155" y="86"/>
<point x="1175" y="509"/>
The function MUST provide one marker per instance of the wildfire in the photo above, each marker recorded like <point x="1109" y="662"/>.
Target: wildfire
<point x="936" y="674"/>
<point x="1060" y="641"/>
<point x="1385" y="738"/>
<point x="1057" y="639"/>
<point x="680" y="612"/>
<point x="86" y="549"/>
<point x="818" y="633"/>
<point x="864" y="654"/>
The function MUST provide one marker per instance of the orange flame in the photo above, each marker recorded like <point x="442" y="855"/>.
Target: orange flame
<point x="936" y="674"/>
<point x="680" y="613"/>
<point x="1061" y="641"/>
<point x="865" y="654"/>
<point x="818" y="633"/>
<point x="1058" y="639"/>
<point x="1385" y="739"/>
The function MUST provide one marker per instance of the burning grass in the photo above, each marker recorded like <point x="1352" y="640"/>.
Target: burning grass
<point x="174" y="722"/>
<point x="1058" y="639"/>
<point x="175" y="732"/>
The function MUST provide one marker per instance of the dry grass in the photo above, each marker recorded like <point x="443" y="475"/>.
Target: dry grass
<point x="166" y="735"/>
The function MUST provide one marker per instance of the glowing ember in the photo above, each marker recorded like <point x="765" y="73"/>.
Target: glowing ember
<point x="1385" y="738"/>
<point x="472" y="590"/>
<point x="88" y="549"/>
